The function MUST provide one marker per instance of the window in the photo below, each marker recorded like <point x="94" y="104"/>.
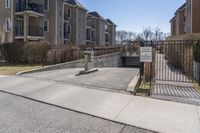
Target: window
<point x="106" y="26"/>
<point x="69" y="30"/>
<point x="60" y="13"/>
<point x="7" y="25"/>
<point x="7" y="3"/>
<point x="46" y="5"/>
<point x="69" y="13"/>
<point x="46" y="25"/>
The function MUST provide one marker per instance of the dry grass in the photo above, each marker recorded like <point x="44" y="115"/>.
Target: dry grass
<point x="10" y="69"/>
<point x="197" y="87"/>
<point x="144" y="89"/>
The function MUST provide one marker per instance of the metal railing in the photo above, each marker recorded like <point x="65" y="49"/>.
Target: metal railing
<point x="91" y="24"/>
<point x="66" y="17"/>
<point x="35" y="7"/>
<point x="66" y="35"/>
<point x="19" y="31"/>
<point x="36" y="31"/>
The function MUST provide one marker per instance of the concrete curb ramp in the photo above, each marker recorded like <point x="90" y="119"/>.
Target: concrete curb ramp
<point x="155" y="115"/>
<point x="132" y="85"/>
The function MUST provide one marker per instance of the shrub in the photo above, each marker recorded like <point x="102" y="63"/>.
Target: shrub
<point x="13" y="52"/>
<point x="196" y="51"/>
<point x="36" y="53"/>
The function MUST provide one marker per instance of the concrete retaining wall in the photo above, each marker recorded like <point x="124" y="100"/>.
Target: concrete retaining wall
<point x="110" y="60"/>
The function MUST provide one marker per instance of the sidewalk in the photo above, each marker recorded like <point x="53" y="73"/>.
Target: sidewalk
<point x="3" y="76"/>
<point x="152" y="114"/>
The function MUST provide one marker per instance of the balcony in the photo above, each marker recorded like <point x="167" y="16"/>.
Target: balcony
<point x="88" y="38"/>
<point x="107" y="31"/>
<point x="66" y="35"/>
<point x="93" y="39"/>
<point x="19" y="32"/>
<point x="33" y="32"/>
<point x="107" y="40"/>
<point x="32" y="6"/>
<point x="66" y="17"/>
<point x="91" y="24"/>
<point x="36" y="31"/>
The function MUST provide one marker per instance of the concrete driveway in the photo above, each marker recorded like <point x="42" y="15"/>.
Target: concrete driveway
<point x="112" y="79"/>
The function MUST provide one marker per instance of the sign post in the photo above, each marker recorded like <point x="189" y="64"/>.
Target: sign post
<point x="146" y="54"/>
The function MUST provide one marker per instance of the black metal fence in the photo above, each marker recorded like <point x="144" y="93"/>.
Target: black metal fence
<point x="177" y="61"/>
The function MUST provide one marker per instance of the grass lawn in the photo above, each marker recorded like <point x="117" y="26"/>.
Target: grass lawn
<point x="144" y="89"/>
<point x="197" y="87"/>
<point x="10" y="69"/>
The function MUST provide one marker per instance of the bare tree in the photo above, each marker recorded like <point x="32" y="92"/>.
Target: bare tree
<point x="121" y="36"/>
<point x="158" y="34"/>
<point x="139" y="37"/>
<point x="131" y="36"/>
<point x="147" y="33"/>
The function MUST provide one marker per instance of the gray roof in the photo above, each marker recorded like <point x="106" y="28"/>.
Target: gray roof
<point x="181" y="7"/>
<point x="75" y="3"/>
<point x="96" y="14"/>
<point x="110" y="22"/>
<point x="172" y="19"/>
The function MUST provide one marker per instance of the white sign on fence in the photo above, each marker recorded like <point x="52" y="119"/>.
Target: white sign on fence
<point x="145" y="54"/>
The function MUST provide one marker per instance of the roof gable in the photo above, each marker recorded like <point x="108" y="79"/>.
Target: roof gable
<point x="75" y="3"/>
<point x="96" y="14"/>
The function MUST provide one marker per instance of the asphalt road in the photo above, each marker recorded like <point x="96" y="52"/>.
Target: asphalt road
<point x="112" y="79"/>
<point x="21" y="115"/>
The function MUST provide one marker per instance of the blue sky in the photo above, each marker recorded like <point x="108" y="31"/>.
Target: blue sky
<point x="133" y="15"/>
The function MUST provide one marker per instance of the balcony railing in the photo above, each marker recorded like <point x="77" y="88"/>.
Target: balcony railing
<point x="91" y="24"/>
<point x="107" y="40"/>
<point x="88" y="38"/>
<point x="33" y="31"/>
<point x="36" y="31"/>
<point x="35" y="7"/>
<point x="19" y="32"/>
<point x="66" y="17"/>
<point x="107" y="30"/>
<point x="66" y="35"/>
<point x="93" y="39"/>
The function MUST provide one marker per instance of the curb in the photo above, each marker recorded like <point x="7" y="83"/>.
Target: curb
<point x="132" y="85"/>
<point x="51" y="67"/>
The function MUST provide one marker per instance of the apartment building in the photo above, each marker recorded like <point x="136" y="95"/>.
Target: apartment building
<point x="173" y="26"/>
<point x="51" y="21"/>
<point x="178" y="21"/>
<point x="186" y="19"/>
<point x="193" y="16"/>
<point x="99" y="31"/>
<point x="110" y="32"/>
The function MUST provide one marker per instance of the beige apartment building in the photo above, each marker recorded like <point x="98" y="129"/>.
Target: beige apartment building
<point x="186" y="19"/>
<point x="51" y="21"/>
<point x="99" y="31"/>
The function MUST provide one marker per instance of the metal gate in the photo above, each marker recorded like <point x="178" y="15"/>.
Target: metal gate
<point x="172" y="61"/>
